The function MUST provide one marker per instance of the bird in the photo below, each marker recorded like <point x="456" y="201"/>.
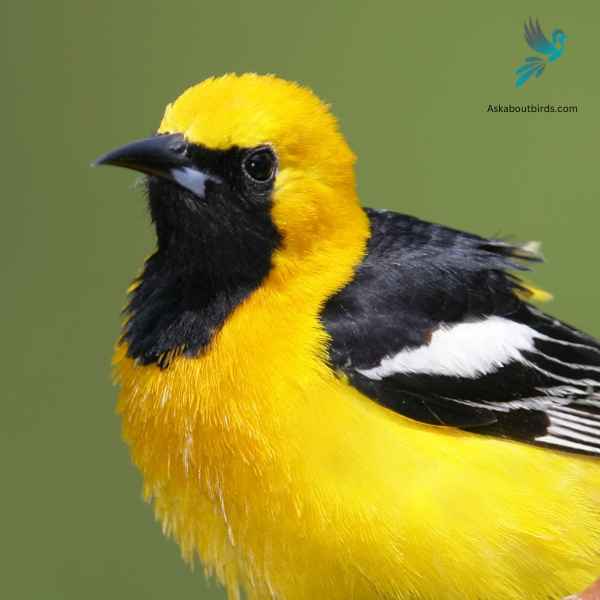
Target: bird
<point x="330" y="401"/>
<point x="537" y="41"/>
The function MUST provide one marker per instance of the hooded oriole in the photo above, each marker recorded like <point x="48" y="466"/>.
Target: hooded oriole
<point x="332" y="402"/>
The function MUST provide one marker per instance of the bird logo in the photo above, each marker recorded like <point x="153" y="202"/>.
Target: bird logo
<point x="536" y="40"/>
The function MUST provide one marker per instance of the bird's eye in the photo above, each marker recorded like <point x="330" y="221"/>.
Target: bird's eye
<point x="260" y="164"/>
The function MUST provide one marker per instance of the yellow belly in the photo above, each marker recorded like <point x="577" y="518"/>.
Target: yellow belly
<point x="298" y="488"/>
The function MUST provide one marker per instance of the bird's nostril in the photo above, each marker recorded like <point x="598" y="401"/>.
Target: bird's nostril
<point x="179" y="147"/>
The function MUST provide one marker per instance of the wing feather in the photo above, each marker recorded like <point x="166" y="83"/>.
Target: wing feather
<point x="432" y="327"/>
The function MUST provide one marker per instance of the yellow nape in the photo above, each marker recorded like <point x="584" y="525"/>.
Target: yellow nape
<point x="286" y="481"/>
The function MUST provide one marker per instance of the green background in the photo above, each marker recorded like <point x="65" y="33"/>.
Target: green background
<point x="410" y="82"/>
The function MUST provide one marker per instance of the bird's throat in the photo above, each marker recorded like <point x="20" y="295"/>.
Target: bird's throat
<point x="209" y="258"/>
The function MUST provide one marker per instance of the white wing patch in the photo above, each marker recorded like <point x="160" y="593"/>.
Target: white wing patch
<point x="476" y="348"/>
<point x="469" y="350"/>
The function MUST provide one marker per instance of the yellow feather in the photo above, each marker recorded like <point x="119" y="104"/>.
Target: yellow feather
<point x="288" y="482"/>
<point x="533" y="293"/>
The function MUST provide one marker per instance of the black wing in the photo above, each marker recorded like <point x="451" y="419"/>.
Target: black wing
<point x="434" y="326"/>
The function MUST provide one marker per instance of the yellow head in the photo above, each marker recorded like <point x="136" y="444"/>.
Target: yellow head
<point x="248" y="175"/>
<point x="250" y="110"/>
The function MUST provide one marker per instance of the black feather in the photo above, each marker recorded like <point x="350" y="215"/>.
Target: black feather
<point x="212" y="253"/>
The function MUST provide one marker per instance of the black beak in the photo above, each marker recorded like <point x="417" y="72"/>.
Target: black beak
<point x="163" y="156"/>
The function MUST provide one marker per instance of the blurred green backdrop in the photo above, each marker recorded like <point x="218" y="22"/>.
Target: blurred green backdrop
<point x="411" y="83"/>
